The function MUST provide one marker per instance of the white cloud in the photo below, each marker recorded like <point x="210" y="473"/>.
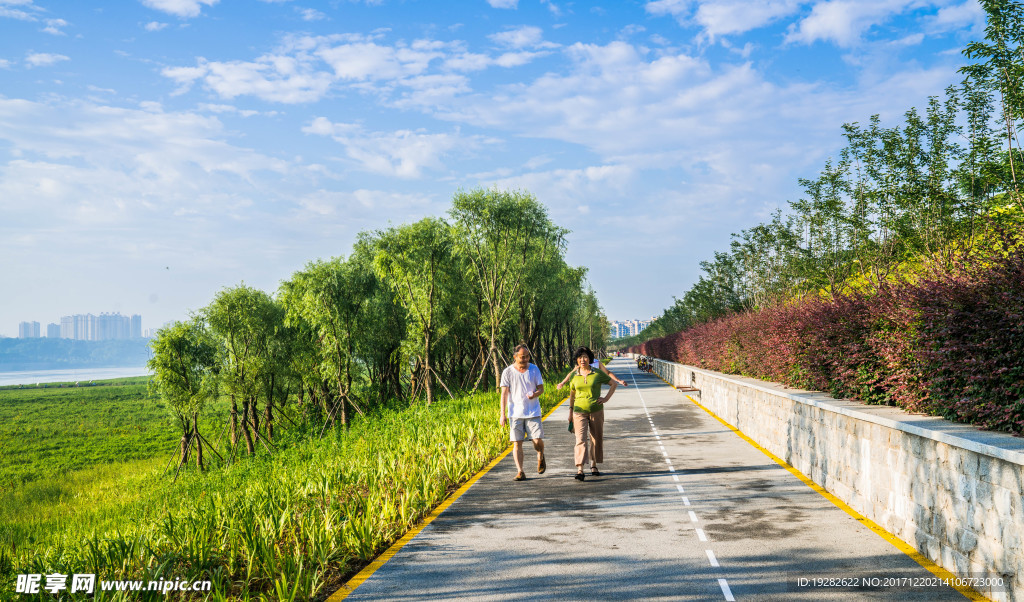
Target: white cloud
<point x="612" y="98"/>
<point x="845" y="21"/>
<point x="676" y="8"/>
<point x="43" y="59"/>
<point x="304" y="68"/>
<point x="156" y="26"/>
<point x="231" y="109"/>
<point x="554" y="8"/>
<point x="311" y="14"/>
<point x="570" y="187"/>
<point x="19" y="9"/>
<point x="53" y="26"/>
<point x="402" y="153"/>
<point x="364" y="203"/>
<point x="724" y="17"/>
<point x="179" y="8"/>
<point x="83" y="166"/>
<point x="526" y="36"/>
<point x="362" y="59"/>
<point x="503" y="3"/>
<point x="969" y="14"/>
<point x="274" y="78"/>
<point x="5" y="64"/>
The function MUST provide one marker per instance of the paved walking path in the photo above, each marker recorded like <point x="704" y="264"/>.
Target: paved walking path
<point x="684" y="509"/>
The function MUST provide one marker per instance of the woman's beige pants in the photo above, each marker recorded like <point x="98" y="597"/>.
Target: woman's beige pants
<point x="589" y="429"/>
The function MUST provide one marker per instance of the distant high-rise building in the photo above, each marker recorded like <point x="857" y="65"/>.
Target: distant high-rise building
<point x="105" y="327"/>
<point x="53" y="331"/>
<point x="628" y="328"/>
<point x="28" y="330"/>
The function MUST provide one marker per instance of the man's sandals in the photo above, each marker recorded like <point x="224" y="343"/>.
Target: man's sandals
<point x="541" y="464"/>
<point x="520" y="476"/>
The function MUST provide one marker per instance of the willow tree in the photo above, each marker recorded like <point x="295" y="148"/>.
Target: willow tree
<point x="327" y="297"/>
<point x="417" y="262"/>
<point x="185" y="367"/>
<point x="246" y="319"/>
<point x="502" y="235"/>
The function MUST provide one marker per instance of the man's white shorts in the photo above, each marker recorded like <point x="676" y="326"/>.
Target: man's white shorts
<point x="519" y="426"/>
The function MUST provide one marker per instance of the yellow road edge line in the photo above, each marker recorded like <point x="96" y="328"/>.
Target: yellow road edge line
<point x="350" y="586"/>
<point x="898" y="543"/>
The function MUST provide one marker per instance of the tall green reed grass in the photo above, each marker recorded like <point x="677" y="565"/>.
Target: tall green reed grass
<point x="287" y="526"/>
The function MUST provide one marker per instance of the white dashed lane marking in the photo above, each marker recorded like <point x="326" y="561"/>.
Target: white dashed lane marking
<point x="726" y="590"/>
<point x="712" y="559"/>
<point x="722" y="583"/>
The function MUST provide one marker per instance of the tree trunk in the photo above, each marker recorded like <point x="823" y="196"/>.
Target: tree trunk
<point x="254" y="413"/>
<point x="268" y="414"/>
<point x="428" y="377"/>
<point x="249" y="447"/>
<point x="493" y="352"/>
<point x="186" y="438"/>
<point x="234" y="422"/>
<point x="199" y="442"/>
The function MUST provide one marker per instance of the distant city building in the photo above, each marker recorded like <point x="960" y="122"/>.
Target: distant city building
<point x="28" y="330"/>
<point x="628" y="328"/>
<point x="53" y="331"/>
<point x="104" y="327"/>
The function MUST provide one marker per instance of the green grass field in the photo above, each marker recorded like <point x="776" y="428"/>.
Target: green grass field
<point x="46" y="433"/>
<point x="289" y="525"/>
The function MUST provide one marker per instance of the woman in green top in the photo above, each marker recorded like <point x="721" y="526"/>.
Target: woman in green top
<point x="586" y="412"/>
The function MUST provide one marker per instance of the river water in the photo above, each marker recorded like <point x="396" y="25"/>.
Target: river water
<point x="31" y="377"/>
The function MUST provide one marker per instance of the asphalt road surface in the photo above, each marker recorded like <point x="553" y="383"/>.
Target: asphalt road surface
<point x="684" y="509"/>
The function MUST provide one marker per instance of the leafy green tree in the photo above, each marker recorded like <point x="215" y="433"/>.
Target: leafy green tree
<point x="417" y="262"/>
<point x="246" y="320"/>
<point x="328" y="296"/>
<point x="1000" y="68"/>
<point x="185" y="367"/>
<point x="502" y="235"/>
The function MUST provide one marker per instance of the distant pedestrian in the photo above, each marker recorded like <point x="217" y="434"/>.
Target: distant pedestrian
<point x="586" y="412"/>
<point x="521" y="388"/>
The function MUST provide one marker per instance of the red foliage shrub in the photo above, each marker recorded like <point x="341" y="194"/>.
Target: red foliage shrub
<point x="951" y="344"/>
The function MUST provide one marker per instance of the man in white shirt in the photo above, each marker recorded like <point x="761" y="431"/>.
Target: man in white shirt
<point x="521" y="387"/>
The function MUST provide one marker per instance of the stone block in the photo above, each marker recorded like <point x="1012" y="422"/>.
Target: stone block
<point x="967" y="541"/>
<point x="965" y="488"/>
<point x="1002" y="499"/>
<point x="953" y="560"/>
<point x="916" y="445"/>
<point x="990" y="553"/>
<point x="979" y="522"/>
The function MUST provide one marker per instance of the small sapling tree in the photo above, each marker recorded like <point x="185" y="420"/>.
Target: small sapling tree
<point x="185" y="367"/>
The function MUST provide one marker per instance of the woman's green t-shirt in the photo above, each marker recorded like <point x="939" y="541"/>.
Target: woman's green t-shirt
<point x="588" y="389"/>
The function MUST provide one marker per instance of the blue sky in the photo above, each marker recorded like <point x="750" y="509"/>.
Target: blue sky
<point x="155" y="151"/>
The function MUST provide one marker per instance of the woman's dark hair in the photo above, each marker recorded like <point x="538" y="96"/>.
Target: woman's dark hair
<point x="586" y="352"/>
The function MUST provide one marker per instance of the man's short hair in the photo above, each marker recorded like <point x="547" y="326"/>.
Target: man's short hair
<point x="519" y="347"/>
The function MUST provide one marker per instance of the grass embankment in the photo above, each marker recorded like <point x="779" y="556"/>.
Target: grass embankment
<point x="289" y="525"/>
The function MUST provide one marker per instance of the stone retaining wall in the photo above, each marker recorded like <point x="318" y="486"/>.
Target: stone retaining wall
<point x="952" y="491"/>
